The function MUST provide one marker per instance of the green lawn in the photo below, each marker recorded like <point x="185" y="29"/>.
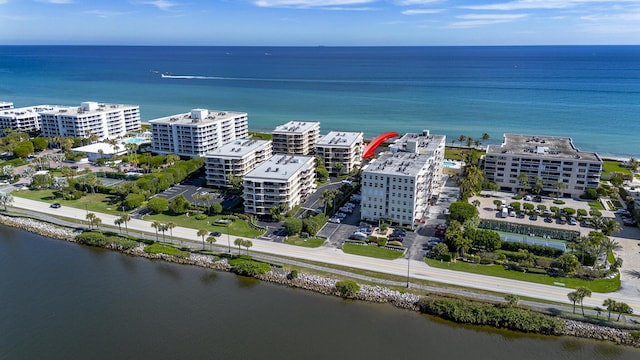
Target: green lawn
<point x="600" y="285"/>
<point x="596" y="205"/>
<point x="609" y="166"/>
<point x="371" y="251"/>
<point x="91" y="202"/>
<point x="310" y="242"/>
<point x="236" y="228"/>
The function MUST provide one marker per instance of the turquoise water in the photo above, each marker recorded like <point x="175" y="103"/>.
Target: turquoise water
<point x="447" y="163"/>
<point x="589" y="93"/>
<point x="135" y="140"/>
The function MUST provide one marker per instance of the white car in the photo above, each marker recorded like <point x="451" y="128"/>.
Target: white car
<point x="335" y="220"/>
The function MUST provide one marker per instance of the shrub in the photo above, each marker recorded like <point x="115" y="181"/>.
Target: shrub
<point x="558" y="202"/>
<point x="446" y="257"/>
<point x="595" y="212"/>
<point x="167" y="250"/>
<point x="517" y="197"/>
<point x="582" y="212"/>
<point x="347" y="288"/>
<point x="248" y="267"/>
<point x="293" y="274"/>
<point x="201" y="217"/>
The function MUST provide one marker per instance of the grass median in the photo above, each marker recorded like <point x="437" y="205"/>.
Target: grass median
<point x="371" y="251"/>
<point x="310" y="242"/>
<point x="598" y="285"/>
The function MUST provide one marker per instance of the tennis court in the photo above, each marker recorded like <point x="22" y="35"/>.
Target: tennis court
<point x="533" y="240"/>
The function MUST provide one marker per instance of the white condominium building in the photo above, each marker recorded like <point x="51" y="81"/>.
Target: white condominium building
<point x="296" y="137"/>
<point x="23" y="119"/>
<point x="5" y="105"/>
<point x="399" y="183"/>
<point x="107" y="121"/>
<point x="282" y="179"/>
<point x="553" y="159"/>
<point x="198" y="132"/>
<point x="341" y="151"/>
<point x="236" y="158"/>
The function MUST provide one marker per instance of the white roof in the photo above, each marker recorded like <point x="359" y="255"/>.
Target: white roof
<point x="238" y="148"/>
<point x="280" y="167"/>
<point x="297" y="127"/>
<point x="340" y="139"/>
<point x="95" y="148"/>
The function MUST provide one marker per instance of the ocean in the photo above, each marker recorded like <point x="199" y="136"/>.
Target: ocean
<point x="588" y="93"/>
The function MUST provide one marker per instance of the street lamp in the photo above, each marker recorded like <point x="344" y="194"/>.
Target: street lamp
<point x="228" y="237"/>
<point x="408" y="265"/>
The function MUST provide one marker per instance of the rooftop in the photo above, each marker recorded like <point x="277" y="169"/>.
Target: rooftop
<point x="107" y="149"/>
<point x="238" y="148"/>
<point x="297" y="127"/>
<point x="336" y="138"/>
<point x="541" y="146"/>
<point x="423" y="143"/>
<point x="28" y="110"/>
<point x="280" y="167"/>
<point x="88" y="107"/>
<point x="397" y="163"/>
<point x="199" y="117"/>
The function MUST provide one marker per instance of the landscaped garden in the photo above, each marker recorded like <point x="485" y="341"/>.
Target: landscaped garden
<point x="308" y="242"/>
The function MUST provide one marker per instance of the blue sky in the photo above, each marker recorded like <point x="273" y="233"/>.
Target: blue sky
<point x="320" y="22"/>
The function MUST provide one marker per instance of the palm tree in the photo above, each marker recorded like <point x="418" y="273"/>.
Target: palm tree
<point x="170" y="226"/>
<point x="582" y="293"/>
<point x="125" y="219"/>
<point x="248" y="244"/>
<point x="574" y="297"/>
<point x="523" y="180"/>
<point x="598" y="311"/>
<point x="203" y="233"/>
<point x="90" y="217"/>
<point x="512" y="300"/>
<point x="610" y="226"/>
<point x="211" y="240"/>
<point x="6" y="199"/>
<point x="118" y="221"/>
<point x="623" y="308"/>
<point x="485" y="136"/>
<point x="238" y="242"/>
<point x="608" y="245"/>
<point x="476" y="203"/>
<point x="461" y="139"/>
<point x="559" y="186"/>
<point x="156" y="225"/>
<point x="163" y="228"/>
<point x="610" y="305"/>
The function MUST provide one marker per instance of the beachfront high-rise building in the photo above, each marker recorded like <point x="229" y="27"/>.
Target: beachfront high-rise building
<point x="236" y="158"/>
<point x="106" y="121"/>
<point x="196" y="133"/>
<point x="282" y="179"/>
<point x="296" y="137"/>
<point x="341" y="151"/>
<point x="5" y="105"/>
<point x="23" y="119"/>
<point x="399" y="183"/>
<point x="555" y="160"/>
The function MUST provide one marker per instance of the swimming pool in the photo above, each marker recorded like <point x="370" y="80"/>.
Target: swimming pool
<point x="448" y="163"/>
<point x="136" y="140"/>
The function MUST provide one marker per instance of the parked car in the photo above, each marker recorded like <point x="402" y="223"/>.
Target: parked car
<point x="533" y="217"/>
<point x="358" y="236"/>
<point x="629" y="222"/>
<point x="572" y="221"/>
<point x="548" y="219"/>
<point x="335" y="220"/>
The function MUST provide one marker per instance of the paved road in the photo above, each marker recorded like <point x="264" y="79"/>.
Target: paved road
<point x="399" y="267"/>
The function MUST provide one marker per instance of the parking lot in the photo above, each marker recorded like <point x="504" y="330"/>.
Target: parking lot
<point x="188" y="191"/>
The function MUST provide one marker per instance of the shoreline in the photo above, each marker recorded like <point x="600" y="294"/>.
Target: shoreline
<point x="319" y="284"/>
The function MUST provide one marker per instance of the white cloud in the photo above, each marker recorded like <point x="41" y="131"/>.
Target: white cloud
<point x="161" y="4"/>
<point x="417" y="2"/>
<point x="541" y="4"/>
<point x="633" y="16"/>
<point x="104" y="13"/>
<point x="57" y="1"/>
<point x="421" y="11"/>
<point x="2" y="2"/>
<point x="302" y="4"/>
<point x="474" y="20"/>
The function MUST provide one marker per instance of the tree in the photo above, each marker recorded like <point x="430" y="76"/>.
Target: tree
<point x="476" y="203"/>
<point x="558" y="186"/>
<point x="339" y="167"/>
<point x="293" y="225"/>
<point x="211" y="240"/>
<point x="238" y="242"/>
<point x="41" y="181"/>
<point x="610" y="226"/>
<point x="497" y="203"/>
<point x="171" y="159"/>
<point x="512" y="300"/>
<point x="485" y="136"/>
<point x="610" y="305"/>
<point x="158" y="205"/>
<point x="608" y="245"/>
<point x="462" y="211"/>
<point x="170" y="226"/>
<point x="347" y="288"/>
<point x="582" y="293"/>
<point x="234" y="181"/>
<point x="163" y="228"/>
<point x="523" y="180"/>
<point x="203" y="233"/>
<point x="574" y="297"/>
<point x="125" y="218"/>
<point x="568" y="263"/>
<point x="598" y="311"/>
<point x="93" y="220"/>
<point x="118" y="221"/>
<point x="440" y="250"/>
<point x="23" y="149"/>
<point x="156" y="225"/>
<point x="6" y="199"/>
<point x="247" y="244"/>
<point x="8" y="171"/>
<point x="622" y="308"/>
<point x="216" y="208"/>
<point x="538" y="185"/>
<point x="179" y="205"/>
